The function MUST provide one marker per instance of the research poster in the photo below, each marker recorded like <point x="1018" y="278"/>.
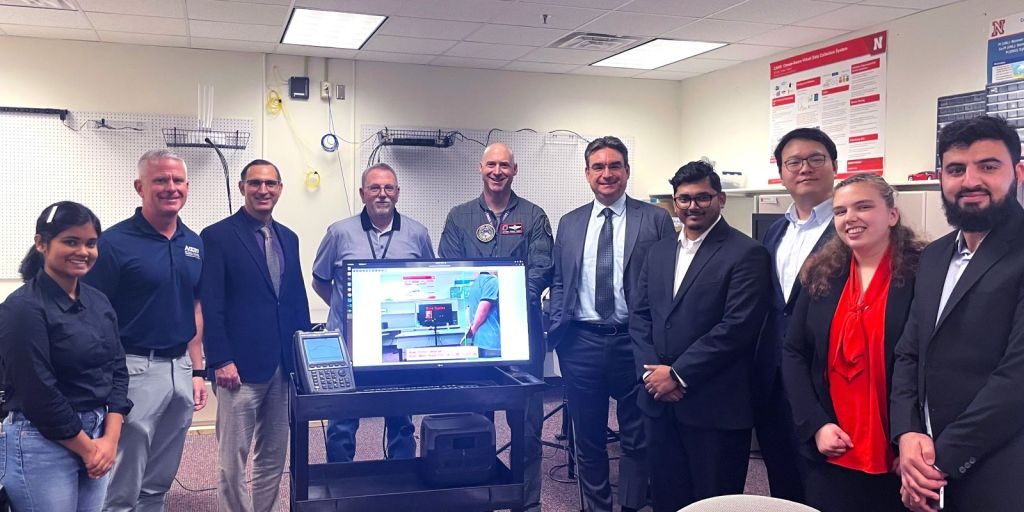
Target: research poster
<point x="841" y="89"/>
<point x="1006" y="49"/>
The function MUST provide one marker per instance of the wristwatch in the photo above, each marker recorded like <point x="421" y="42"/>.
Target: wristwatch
<point x="199" y="373"/>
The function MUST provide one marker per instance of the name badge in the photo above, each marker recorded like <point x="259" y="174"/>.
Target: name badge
<point x="512" y="229"/>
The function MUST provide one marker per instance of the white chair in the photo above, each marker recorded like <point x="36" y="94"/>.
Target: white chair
<point x="746" y="503"/>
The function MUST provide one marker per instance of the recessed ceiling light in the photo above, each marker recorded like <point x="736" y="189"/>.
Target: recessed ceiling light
<point x="330" y="29"/>
<point x="657" y="53"/>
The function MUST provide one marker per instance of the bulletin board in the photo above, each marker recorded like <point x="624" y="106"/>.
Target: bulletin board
<point x="433" y="180"/>
<point x="46" y="160"/>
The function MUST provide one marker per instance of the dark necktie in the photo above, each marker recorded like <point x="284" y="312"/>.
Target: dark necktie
<point x="604" y="288"/>
<point x="273" y="264"/>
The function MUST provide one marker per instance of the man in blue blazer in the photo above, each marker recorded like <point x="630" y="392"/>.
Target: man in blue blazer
<point x="598" y="253"/>
<point x="253" y="302"/>
<point x="807" y="166"/>
<point x="696" y="313"/>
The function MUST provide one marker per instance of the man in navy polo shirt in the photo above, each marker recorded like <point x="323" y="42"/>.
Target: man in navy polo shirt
<point x="149" y="267"/>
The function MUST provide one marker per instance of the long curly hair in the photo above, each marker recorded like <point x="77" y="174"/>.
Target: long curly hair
<point x="834" y="257"/>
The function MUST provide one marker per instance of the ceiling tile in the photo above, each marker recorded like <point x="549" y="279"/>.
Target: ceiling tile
<point x="793" y="36"/>
<point x="404" y="58"/>
<point x="698" y="65"/>
<point x="43" y="18"/>
<point x="458" y="10"/>
<point x="429" y="29"/>
<point x="693" y="9"/>
<point x="138" y="24"/>
<point x="911" y="4"/>
<point x="221" y="30"/>
<point x="162" y="8"/>
<point x="144" y="39"/>
<point x="532" y="15"/>
<point x="666" y="75"/>
<point x="507" y="34"/>
<point x="719" y="30"/>
<point x="407" y="45"/>
<point x="603" y="71"/>
<point x="235" y="12"/>
<point x="540" y="67"/>
<point x="488" y="51"/>
<point x="597" y="4"/>
<point x="50" y="32"/>
<point x="232" y="45"/>
<point x="464" y="62"/>
<point x="316" y="51"/>
<point x="855" y="17"/>
<point x="743" y="52"/>
<point x="635" y="24"/>
<point x="383" y="7"/>
<point x="781" y="12"/>
<point x="564" y="56"/>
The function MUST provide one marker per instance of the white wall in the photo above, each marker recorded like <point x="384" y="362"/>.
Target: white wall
<point x="123" y="78"/>
<point x="931" y="54"/>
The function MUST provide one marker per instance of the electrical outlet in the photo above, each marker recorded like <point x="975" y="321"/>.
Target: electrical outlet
<point x="340" y="89"/>
<point x="325" y="90"/>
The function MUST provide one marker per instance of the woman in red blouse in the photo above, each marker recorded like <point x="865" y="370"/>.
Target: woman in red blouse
<point x="837" y="359"/>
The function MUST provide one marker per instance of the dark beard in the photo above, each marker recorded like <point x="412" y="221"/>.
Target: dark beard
<point x="983" y="220"/>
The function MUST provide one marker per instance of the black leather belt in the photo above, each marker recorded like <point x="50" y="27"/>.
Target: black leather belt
<point x="602" y="329"/>
<point x="166" y="353"/>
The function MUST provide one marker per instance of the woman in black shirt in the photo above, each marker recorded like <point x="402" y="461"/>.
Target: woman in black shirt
<point x="64" y="373"/>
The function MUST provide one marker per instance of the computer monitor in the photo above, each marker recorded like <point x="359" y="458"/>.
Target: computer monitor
<point x="418" y="314"/>
<point x="761" y="222"/>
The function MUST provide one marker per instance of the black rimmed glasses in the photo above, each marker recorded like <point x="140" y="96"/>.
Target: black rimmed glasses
<point x="701" y="200"/>
<point x="814" y="161"/>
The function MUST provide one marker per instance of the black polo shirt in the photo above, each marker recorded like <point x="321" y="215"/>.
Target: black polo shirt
<point x="60" y="356"/>
<point x="151" y="281"/>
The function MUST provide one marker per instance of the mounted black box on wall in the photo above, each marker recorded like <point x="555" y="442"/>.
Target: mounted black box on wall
<point x="298" y="87"/>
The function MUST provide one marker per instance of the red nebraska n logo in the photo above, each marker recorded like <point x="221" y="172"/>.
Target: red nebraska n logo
<point x="877" y="44"/>
<point x="998" y="28"/>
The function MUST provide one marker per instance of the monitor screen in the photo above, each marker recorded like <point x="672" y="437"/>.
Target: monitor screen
<point x="326" y="349"/>
<point x="431" y="313"/>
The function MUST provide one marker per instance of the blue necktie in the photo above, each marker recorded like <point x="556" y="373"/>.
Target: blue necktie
<point x="604" y="288"/>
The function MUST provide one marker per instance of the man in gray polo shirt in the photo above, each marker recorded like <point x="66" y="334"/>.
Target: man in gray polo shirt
<point x="378" y="232"/>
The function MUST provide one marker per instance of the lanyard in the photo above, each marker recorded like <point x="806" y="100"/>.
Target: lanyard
<point x="496" y="220"/>
<point x="383" y="255"/>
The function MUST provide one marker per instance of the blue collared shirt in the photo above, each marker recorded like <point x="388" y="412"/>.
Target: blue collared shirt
<point x="152" y="281"/>
<point x="347" y="240"/>
<point x="798" y="242"/>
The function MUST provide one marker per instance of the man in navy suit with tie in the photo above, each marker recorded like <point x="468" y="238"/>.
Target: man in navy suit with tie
<point x="807" y="166"/>
<point x="598" y="253"/>
<point x="253" y="302"/>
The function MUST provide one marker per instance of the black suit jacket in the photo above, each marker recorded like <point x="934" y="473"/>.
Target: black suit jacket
<point x="707" y="330"/>
<point x="970" y="363"/>
<point x="243" y="320"/>
<point x="768" y="355"/>
<point x="645" y="224"/>
<point x="805" y="355"/>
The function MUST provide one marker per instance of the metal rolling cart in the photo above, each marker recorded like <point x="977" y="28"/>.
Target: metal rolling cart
<point x="395" y="484"/>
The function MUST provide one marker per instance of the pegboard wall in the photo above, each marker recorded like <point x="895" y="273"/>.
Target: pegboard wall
<point x="45" y="160"/>
<point x="433" y="180"/>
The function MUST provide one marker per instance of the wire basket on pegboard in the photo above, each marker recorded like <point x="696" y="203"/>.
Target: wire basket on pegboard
<point x="182" y="138"/>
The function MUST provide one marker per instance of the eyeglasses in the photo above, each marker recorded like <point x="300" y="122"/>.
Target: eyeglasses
<point x="702" y="200"/>
<point x="814" y="161"/>
<point x="388" y="189"/>
<point x="614" y="166"/>
<point x="256" y="184"/>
